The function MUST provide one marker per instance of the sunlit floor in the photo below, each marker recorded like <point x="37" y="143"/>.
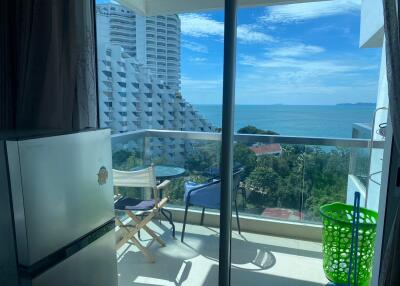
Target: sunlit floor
<point x="257" y="260"/>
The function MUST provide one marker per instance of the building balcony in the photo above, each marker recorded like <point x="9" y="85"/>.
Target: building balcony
<point x="121" y="33"/>
<point x="172" y="32"/>
<point x="122" y="39"/>
<point x="172" y="49"/>
<point x="172" y="20"/>
<point x="171" y="26"/>
<point x="106" y="68"/>
<point x="278" y="207"/>
<point x="124" y="27"/>
<point x="132" y="88"/>
<point x="108" y="119"/>
<point x="173" y="70"/>
<point x="121" y="16"/>
<point x="172" y="39"/>
<point x="121" y="20"/>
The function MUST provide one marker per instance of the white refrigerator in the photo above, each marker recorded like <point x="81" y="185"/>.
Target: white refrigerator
<point x="56" y="210"/>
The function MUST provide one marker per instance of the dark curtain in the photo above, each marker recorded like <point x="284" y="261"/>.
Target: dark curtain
<point x="48" y="66"/>
<point x="390" y="259"/>
<point x="7" y="69"/>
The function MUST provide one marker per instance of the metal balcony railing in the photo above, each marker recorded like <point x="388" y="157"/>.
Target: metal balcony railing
<point x="248" y="138"/>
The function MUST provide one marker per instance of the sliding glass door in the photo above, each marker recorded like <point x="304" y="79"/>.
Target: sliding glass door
<point x="255" y="117"/>
<point x="311" y="119"/>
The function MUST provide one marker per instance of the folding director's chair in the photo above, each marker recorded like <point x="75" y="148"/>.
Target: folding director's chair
<point x="135" y="207"/>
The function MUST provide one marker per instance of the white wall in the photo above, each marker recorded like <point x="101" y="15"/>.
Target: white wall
<point x="371" y="28"/>
<point x="377" y="154"/>
<point x="371" y="36"/>
<point x="354" y="185"/>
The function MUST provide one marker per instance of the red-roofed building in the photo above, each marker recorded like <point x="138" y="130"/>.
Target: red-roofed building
<point x="282" y="213"/>
<point x="266" y="149"/>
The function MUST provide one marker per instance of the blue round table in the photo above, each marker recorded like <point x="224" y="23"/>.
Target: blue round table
<point x="164" y="172"/>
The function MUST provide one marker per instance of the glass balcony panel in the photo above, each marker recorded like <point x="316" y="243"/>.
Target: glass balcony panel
<point x="281" y="191"/>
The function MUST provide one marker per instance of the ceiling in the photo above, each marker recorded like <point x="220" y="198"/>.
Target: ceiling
<point x="165" y="7"/>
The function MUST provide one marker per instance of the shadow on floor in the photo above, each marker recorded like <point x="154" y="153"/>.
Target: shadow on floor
<point x="243" y="277"/>
<point x="194" y="262"/>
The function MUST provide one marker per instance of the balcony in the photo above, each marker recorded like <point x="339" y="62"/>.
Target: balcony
<point x="172" y="39"/>
<point x="123" y="39"/>
<point x="121" y="33"/>
<point x="172" y="20"/>
<point x="120" y="20"/>
<point x="257" y="259"/>
<point x="124" y="27"/>
<point x="278" y="207"/>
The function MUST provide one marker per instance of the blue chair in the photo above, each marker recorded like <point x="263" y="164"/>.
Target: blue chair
<point x="208" y="195"/>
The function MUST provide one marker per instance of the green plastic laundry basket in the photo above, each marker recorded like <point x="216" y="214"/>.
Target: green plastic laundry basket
<point x="337" y="221"/>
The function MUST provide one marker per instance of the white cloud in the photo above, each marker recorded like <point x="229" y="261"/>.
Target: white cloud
<point x="198" y="59"/>
<point x="294" y="50"/>
<point x="202" y="25"/>
<point x="284" y="75"/>
<point x="196" y="47"/>
<point x="272" y="91"/>
<point x="246" y="33"/>
<point x="308" y="11"/>
<point x="295" y="68"/>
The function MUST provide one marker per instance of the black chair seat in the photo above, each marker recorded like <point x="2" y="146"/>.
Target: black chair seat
<point x="131" y="204"/>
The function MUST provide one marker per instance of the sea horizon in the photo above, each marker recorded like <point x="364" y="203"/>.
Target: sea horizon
<point x="284" y="104"/>
<point x="334" y="121"/>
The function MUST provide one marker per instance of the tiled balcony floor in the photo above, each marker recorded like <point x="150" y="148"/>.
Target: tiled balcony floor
<point x="257" y="260"/>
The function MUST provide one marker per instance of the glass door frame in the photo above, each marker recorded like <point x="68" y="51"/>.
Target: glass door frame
<point x="228" y="109"/>
<point x="226" y="162"/>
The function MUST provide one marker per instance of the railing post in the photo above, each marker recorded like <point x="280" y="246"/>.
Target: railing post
<point x="228" y="105"/>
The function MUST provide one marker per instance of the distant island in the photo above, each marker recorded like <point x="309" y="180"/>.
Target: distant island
<point x="358" y="104"/>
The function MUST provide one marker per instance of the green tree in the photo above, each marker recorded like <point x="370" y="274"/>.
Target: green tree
<point x="263" y="180"/>
<point x="202" y="157"/>
<point x="119" y="157"/>
<point x="126" y="160"/>
<point x="302" y="178"/>
<point x="245" y="157"/>
<point x="249" y="129"/>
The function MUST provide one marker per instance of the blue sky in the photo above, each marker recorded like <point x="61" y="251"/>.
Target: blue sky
<point x="292" y="54"/>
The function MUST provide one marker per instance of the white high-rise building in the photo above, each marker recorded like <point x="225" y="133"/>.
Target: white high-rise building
<point x="160" y="48"/>
<point x="139" y="81"/>
<point x="154" y="41"/>
<point x="117" y="26"/>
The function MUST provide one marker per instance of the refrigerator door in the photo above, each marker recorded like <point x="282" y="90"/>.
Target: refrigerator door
<point x="61" y="190"/>
<point x="94" y="265"/>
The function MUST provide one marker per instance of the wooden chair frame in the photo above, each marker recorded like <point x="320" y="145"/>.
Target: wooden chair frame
<point x="137" y="224"/>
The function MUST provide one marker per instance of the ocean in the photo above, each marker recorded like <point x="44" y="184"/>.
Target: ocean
<point x="296" y="120"/>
